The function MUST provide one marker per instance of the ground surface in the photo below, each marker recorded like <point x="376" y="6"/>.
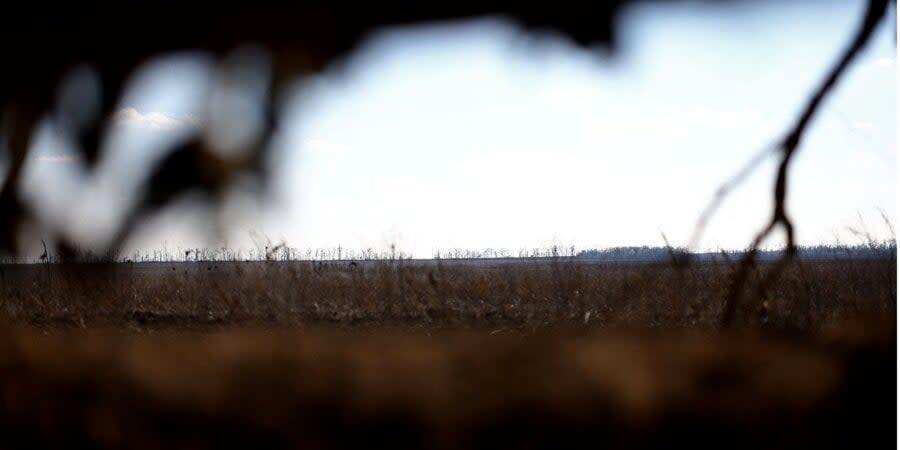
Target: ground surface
<point x="310" y="355"/>
<point x="320" y="388"/>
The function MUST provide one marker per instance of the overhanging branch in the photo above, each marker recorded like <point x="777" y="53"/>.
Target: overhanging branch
<point x="875" y="12"/>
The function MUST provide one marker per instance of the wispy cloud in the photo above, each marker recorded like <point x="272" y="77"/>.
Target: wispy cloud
<point x="570" y="99"/>
<point x="711" y="118"/>
<point x="321" y="145"/>
<point x="158" y="120"/>
<point x="681" y="123"/>
<point x="56" y="158"/>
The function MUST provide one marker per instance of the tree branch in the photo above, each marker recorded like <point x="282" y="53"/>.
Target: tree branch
<point x="875" y="12"/>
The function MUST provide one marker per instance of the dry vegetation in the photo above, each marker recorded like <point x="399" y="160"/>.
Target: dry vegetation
<point x="526" y="295"/>
<point x="399" y="354"/>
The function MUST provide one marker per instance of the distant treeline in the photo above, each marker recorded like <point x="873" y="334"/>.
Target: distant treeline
<point x="872" y="249"/>
<point x="818" y="252"/>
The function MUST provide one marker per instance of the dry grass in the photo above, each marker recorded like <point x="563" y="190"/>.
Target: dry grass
<point x="524" y="296"/>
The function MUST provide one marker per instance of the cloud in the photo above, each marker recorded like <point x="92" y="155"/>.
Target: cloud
<point x="710" y="118"/>
<point x="885" y="62"/>
<point x="863" y="125"/>
<point x="157" y="120"/>
<point x="56" y="158"/>
<point x="683" y="123"/>
<point x="569" y="99"/>
<point x="321" y="145"/>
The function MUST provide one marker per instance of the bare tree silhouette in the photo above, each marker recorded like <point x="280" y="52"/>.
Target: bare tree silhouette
<point x="787" y="147"/>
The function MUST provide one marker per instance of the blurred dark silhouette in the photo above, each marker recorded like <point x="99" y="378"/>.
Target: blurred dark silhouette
<point x="42" y="41"/>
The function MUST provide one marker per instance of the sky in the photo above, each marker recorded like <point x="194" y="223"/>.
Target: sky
<point x="478" y="135"/>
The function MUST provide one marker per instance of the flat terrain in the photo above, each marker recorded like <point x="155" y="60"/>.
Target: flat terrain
<point x="398" y="354"/>
<point x="438" y="294"/>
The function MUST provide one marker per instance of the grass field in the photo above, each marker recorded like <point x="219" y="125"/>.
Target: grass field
<point x="398" y="354"/>
<point x="528" y="295"/>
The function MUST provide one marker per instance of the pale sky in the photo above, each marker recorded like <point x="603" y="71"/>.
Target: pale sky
<point x="474" y="135"/>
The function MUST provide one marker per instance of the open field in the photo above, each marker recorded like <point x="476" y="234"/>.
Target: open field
<point x="399" y="354"/>
<point x="426" y="295"/>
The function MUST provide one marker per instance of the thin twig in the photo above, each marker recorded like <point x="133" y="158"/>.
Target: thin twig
<point x="723" y="191"/>
<point x="875" y="11"/>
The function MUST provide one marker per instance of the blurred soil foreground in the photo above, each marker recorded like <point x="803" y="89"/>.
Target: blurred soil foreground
<point x="434" y="356"/>
<point x="321" y="388"/>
